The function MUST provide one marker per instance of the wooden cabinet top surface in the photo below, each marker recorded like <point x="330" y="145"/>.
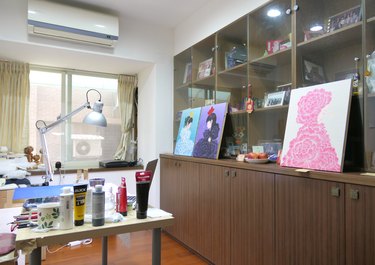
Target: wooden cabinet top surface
<point x="346" y="177"/>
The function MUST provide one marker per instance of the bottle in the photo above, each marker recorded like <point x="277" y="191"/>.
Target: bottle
<point x="66" y="208"/>
<point x="98" y="205"/>
<point x="356" y="79"/>
<point x="122" y="198"/>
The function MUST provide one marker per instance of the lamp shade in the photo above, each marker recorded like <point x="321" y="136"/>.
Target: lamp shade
<point x="96" y="117"/>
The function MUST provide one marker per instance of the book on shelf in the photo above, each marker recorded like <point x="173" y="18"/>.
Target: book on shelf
<point x="205" y="68"/>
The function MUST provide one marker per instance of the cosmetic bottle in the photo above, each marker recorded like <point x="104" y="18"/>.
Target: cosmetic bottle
<point x="122" y="199"/>
<point x="98" y="206"/>
<point x="66" y="209"/>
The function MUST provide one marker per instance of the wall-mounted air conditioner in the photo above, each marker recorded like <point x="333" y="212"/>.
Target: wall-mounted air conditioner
<point x="54" y="20"/>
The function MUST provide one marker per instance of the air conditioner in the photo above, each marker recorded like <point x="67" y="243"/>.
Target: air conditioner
<point x="54" y="20"/>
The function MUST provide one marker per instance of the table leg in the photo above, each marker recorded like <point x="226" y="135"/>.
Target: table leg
<point x="104" y="250"/>
<point x="156" y="246"/>
<point x="36" y="257"/>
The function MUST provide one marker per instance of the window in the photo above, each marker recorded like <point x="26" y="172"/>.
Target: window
<point x="55" y="92"/>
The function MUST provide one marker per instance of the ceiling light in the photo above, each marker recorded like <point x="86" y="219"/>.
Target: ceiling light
<point x="273" y="13"/>
<point x="316" y="28"/>
<point x="99" y="26"/>
<point x="31" y="12"/>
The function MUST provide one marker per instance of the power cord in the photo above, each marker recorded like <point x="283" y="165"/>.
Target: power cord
<point x="87" y="241"/>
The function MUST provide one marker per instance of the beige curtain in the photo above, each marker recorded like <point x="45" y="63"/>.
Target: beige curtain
<point x="126" y="88"/>
<point x="14" y="105"/>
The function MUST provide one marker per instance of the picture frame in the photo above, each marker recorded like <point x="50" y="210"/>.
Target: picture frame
<point x="205" y="68"/>
<point x="287" y="88"/>
<point x="187" y="74"/>
<point x="344" y="19"/>
<point x="312" y="73"/>
<point x="274" y="99"/>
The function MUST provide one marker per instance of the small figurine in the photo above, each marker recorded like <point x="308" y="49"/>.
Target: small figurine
<point x="28" y="150"/>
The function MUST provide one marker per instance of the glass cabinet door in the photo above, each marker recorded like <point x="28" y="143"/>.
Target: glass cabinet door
<point x="370" y="87"/>
<point x="232" y="65"/>
<point x="204" y="72"/>
<point x="329" y="42"/>
<point x="269" y="72"/>
<point x="182" y="87"/>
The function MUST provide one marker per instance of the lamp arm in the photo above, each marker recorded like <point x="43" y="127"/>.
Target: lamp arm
<point x="69" y="115"/>
<point x="43" y="141"/>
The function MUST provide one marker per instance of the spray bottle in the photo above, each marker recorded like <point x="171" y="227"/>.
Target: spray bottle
<point x="122" y="198"/>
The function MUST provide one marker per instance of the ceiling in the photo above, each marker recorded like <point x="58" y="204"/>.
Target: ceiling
<point x="167" y="13"/>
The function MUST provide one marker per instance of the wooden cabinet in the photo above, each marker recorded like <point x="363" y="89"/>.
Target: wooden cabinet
<point x="179" y="195"/>
<point x="252" y="217"/>
<point x="226" y="216"/>
<point x="310" y="221"/>
<point x="360" y="225"/>
<point x="214" y="216"/>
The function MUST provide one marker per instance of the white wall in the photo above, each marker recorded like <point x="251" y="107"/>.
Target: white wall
<point x="209" y="19"/>
<point x="142" y="49"/>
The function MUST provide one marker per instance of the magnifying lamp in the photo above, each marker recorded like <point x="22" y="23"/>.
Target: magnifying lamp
<point x="95" y="117"/>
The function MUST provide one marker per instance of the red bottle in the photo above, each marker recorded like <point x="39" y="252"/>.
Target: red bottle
<point x="122" y="198"/>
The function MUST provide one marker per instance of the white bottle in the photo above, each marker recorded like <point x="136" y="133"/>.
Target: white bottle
<point x="66" y="209"/>
<point x="98" y="205"/>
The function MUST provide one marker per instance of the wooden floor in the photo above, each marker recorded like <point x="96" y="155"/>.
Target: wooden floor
<point x="126" y="249"/>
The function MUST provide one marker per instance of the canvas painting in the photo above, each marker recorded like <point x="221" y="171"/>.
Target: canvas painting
<point x="187" y="132"/>
<point x="316" y="127"/>
<point x="210" y="131"/>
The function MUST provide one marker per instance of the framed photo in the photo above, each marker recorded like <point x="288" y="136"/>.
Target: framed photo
<point x="312" y="72"/>
<point x="274" y="99"/>
<point x="287" y="88"/>
<point x="205" y="68"/>
<point x="187" y="75"/>
<point x="345" y="18"/>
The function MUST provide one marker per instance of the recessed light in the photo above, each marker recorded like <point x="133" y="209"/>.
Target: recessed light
<point x="31" y="12"/>
<point x="273" y="13"/>
<point x="316" y="28"/>
<point x="99" y="26"/>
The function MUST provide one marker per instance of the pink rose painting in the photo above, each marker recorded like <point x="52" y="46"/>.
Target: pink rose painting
<point x="316" y="127"/>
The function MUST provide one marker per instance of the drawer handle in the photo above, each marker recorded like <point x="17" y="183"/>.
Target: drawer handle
<point x="354" y="194"/>
<point x="335" y="191"/>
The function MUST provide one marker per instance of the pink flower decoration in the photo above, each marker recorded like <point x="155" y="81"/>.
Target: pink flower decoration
<point x="311" y="105"/>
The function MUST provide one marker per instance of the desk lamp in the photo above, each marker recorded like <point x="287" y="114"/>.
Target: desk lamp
<point x="95" y="117"/>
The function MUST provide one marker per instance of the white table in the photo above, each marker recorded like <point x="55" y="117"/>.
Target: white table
<point x="27" y="239"/>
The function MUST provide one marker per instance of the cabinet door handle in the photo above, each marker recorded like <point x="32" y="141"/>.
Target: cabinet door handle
<point x="295" y="8"/>
<point x="288" y="11"/>
<point x="354" y="194"/>
<point x="226" y="173"/>
<point x="335" y="191"/>
<point x="233" y="174"/>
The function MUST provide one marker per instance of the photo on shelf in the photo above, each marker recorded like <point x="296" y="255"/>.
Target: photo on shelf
<point x="287" y="88"/>
<point x="187" y="74"/>
<point x="312" y="72"/>
<point x="274" y="99"/>
<point x="205" y="68"/>
<point x="345" y="18"/>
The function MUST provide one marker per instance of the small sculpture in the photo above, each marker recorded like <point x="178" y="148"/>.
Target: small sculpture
<point x="28" y="150"/>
